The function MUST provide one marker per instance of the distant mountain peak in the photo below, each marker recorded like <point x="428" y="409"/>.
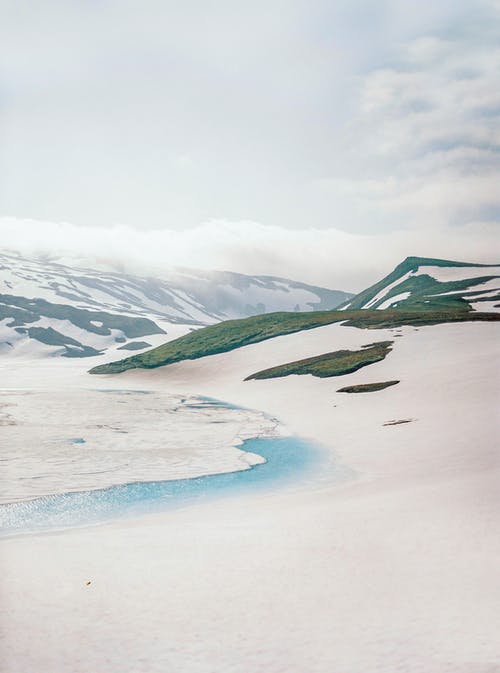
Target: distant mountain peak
<point x="425" y="283"/>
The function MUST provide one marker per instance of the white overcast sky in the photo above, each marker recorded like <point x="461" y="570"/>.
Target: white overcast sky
<point x="319" y="140"/>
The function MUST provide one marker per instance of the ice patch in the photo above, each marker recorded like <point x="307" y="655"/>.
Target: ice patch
<point x="446" y="274"/>
<point x="79" y="440"/>
<point x="394" y="300"/>
<point x="384" y="292"/>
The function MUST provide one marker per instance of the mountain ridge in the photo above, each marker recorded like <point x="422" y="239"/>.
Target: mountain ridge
<point x="424" y="291"/>
<point x="81" y="312"/>
<point x="229" y="335"/>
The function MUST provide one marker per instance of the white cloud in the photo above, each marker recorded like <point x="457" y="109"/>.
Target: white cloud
<point x="349" y="136"/>
<point x="327" y="257"/>
<point x="171" y="114"/>
<point x="425" y="146"/>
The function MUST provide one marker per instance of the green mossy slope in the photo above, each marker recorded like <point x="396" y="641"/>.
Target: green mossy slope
<point x="231" y="334"/>
<point x="336" y="363"/>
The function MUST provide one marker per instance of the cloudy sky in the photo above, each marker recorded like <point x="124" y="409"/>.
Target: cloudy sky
<point x="319" y="140"/>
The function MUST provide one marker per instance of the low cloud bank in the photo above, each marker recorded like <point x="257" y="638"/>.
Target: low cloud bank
<point x="327" y="257"/>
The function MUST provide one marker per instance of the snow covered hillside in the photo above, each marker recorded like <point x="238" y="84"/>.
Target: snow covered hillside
<point x="51" y="309"/>
<point x="424" y="284"/>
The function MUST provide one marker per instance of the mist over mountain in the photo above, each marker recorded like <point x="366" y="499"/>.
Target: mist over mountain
<point x="79" y="312"/>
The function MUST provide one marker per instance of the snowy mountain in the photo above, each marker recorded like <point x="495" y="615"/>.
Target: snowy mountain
<point x="420" y="283"/>
<point x="79" y="312"/>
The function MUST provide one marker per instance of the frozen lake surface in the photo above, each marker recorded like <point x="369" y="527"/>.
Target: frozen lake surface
<point x="70" y="440"/>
